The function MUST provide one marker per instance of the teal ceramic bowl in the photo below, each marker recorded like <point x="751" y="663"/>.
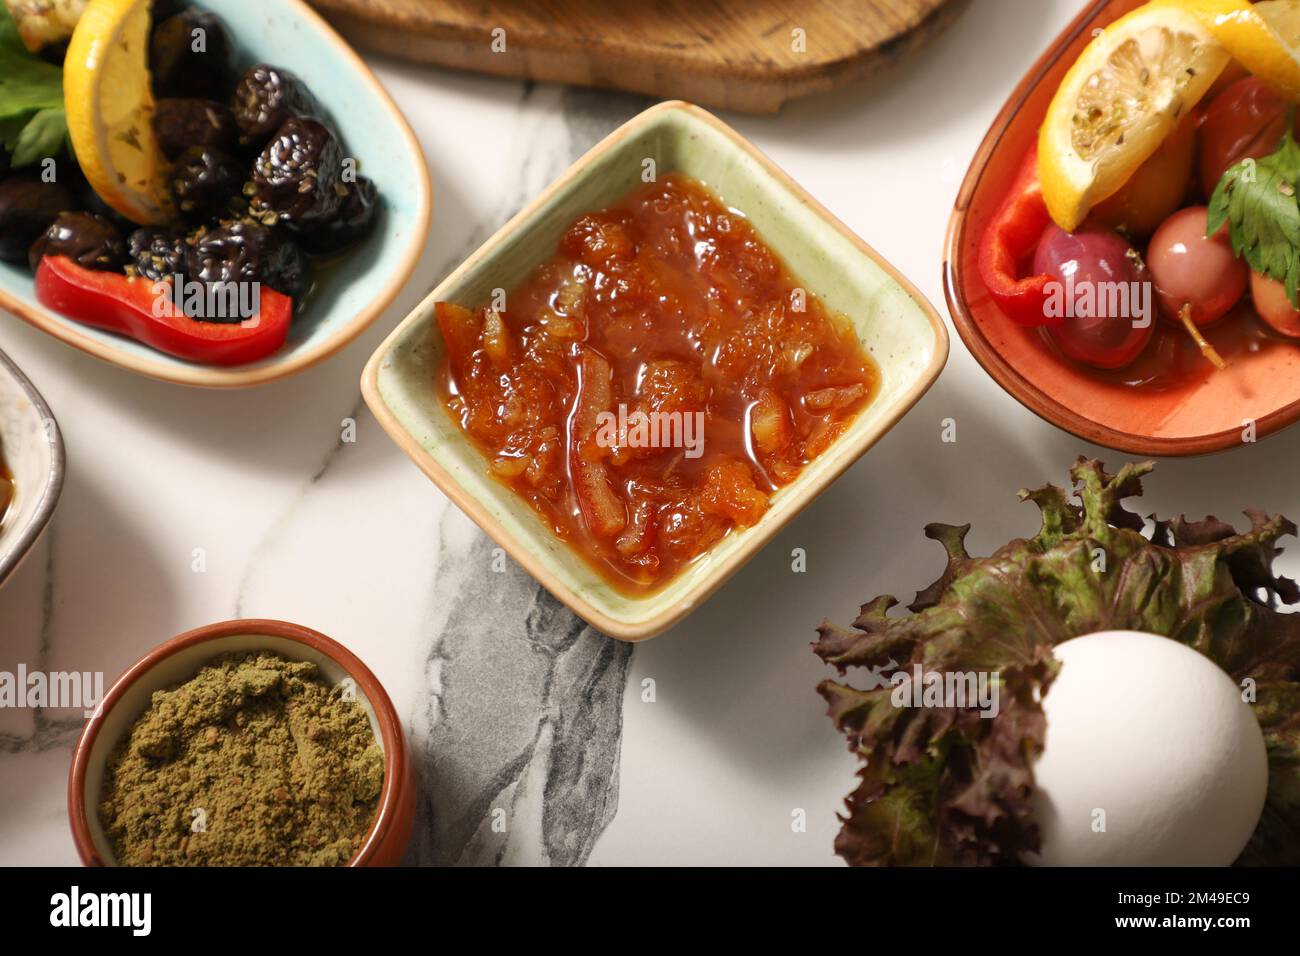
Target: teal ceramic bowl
<point x="350" y="296"/>
<point x="894" y="322"/>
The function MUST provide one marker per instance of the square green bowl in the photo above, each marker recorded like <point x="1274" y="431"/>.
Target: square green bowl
<point x="899" y="328"/>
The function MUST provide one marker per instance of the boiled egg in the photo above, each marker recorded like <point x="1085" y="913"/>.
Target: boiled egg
<point x="1152" y="757"/>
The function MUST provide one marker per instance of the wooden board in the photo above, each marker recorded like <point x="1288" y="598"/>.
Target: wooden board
<point x="743" y="55"/>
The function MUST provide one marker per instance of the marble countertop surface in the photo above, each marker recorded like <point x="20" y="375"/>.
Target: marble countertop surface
<point x="510" y="702"/>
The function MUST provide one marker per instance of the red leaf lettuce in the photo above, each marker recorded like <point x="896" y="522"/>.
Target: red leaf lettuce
<point x="944" y="786"/>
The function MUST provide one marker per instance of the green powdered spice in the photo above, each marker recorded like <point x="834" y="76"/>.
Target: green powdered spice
<point x="255" y="761"/>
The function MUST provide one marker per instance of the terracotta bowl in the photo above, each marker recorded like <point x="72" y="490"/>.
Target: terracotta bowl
<point x="1203" y="415"/>
<point x="180" y="658"/>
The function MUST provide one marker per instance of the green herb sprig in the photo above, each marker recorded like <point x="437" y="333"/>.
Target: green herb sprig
<point x="1257" y="198"/>
<point x="33" y="124"/>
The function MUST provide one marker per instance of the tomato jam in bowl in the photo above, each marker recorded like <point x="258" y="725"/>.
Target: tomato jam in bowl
<point x="650" y="386"/>
<point x="646" y="373"/>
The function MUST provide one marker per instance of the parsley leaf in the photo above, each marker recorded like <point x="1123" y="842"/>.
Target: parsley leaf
<point x="42" y="136"/>
<point x="1257" y="198"/>
<point x="32" y="121"/>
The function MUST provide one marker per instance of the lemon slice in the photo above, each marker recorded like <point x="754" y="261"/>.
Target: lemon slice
<point x="1263" y="37"/>
<point x="1121" y="99"/>
<point x="107" y="95"/>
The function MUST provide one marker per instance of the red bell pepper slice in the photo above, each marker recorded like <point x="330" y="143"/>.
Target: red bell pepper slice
<point x="133" y="307"/>
<point x="1010" y="239"/>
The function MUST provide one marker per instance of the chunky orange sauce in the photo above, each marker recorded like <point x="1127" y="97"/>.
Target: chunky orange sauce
<point x="648" y="388"/>
<point x="6" y="488"/>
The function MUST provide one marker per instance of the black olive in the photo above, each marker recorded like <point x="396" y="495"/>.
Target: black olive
<point x="27" y="207"/>
<point x="4" y="161"/>
<point x="90" y="202"/>
<point x="157" y="253"/>
<point x="190" y="55"/>
<point x="264" y="98"/>
<point x="207" y="183"/>
<point x="354" y="220"/>
<point x="182" y="123"/>
<point x="88" y="240"/>
<point x="243" y="251"/>
<point x="54" y="53"/>
<point x="87" y="199"/>
<point x="298" y="178"/>
<point x="161" y="10"/>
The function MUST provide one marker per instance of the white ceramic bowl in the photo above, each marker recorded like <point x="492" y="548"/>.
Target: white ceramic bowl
<point x="33" y="449"/>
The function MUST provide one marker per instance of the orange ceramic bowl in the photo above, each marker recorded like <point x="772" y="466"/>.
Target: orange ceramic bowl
<point x="1206" y="414"/>
<point x="179" y="659"/>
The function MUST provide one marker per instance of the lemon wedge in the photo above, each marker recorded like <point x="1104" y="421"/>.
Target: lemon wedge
<point x="107" y="95"/>
<point x="1122" y="98"/>
<point x="1263" y="37"/>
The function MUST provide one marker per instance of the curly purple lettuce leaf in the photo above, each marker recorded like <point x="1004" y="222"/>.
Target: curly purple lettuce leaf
<point x="945" y="786"/>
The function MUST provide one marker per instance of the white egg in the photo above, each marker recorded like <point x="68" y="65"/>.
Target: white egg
<point x="1151" y="757"/>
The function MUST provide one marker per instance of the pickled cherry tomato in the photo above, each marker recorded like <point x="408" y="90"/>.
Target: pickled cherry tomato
<point x="1247" y="119"/>
<point x="1158" y="187"/>
<point x="1233" y="72"/>
<point x="1104" y="283"/>
<point x="1191" y="269"/>
<point x="1274" y="306"/>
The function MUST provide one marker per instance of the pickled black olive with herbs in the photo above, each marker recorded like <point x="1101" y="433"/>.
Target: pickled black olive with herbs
<point x="85" y="197"/>
<point x="354" y="221"/>
<point x="28" y="205"/>
<point x="54" y="53"/>
<point x="190" y="56"/>
<point x="88" y="201"/>
<point x="264" y="99"/>
<point x="157" y="254"/>
<point x="244" y="251"/>
<point x="299" y="175"/>
<point x="90" y="241"/>
<point x="161" y="10"/>
<point x="207" y="184"/>
<point x="180" y="124"/>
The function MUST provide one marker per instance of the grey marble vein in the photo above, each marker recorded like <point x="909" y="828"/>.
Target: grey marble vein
<point x="518" y="739"/>
<point x="47" y="732"/>
<point x="517" y="734"/>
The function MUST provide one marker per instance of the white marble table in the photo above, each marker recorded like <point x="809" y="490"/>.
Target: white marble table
<point x="523" y="708"/>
